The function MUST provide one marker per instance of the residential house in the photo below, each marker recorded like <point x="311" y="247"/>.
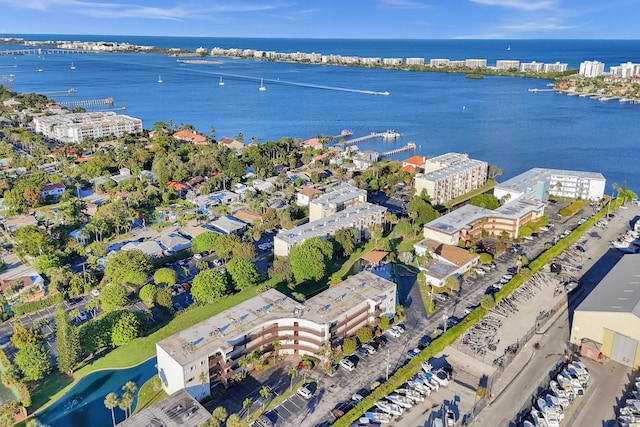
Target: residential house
<point x="192" y="137"/>
<point x="228" y="225"/>
<point x="365" y="159"/>
<point x="53" y="190"/>
<point x="123" y="175"/>
<point x="14" y="287"/>
<point x="305" y="195"/>
<point x="413" y="164"/>
<point x="149" y="247"/>
<point x="247" y="216"/>
<point x="444" y="260"/>
<point x="173" y="243"/>
<point x="313" y="143"/>
<point x="263" y="186"/>
<point x="232" y="144"/>
<point x="192" y="231"/>
<point x="11" y="224"/>
<point x="180" y="187"/>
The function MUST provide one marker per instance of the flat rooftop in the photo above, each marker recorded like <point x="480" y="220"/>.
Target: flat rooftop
<point x="177" y="410"/>
<point x="329" y="224"/>
<point x="218" y="331"/>
<point x="339" y="195"/>
<point x="462" y="217"/>
<point x="619" y="290"/>
<point x="532" y="177"/>
<point x="452" y="170"/>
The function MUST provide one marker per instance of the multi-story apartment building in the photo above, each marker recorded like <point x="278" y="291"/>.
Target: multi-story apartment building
<point x="507" y="64"/>
<point x="475" y="63"/>
<point x="531" y="67"/>
<point x="555" y="68"/>
<point x="470" y="222"/>
<point x="415" y="61"/>
<point x="439" y="62"/>
<point x="339" y="198"/>
<point x="626" y="71"/>
<point x="539" y="183"/>
<point x="591" y="68"/>
<point x="451" y="175"/>
<point x="214" y="347"/>
<point x="76" y="127"/>
<point x="360" y="217"/>
<point x="392" y="61"/>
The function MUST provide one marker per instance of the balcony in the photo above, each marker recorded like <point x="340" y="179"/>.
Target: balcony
<point x="353" y="318"/>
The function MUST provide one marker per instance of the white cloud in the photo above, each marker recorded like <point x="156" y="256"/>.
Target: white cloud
<point x="518" y="4"/>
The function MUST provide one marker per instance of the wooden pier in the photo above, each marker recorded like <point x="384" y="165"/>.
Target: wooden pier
<point x="388" y="135"/>
<point x="88" y="102"/>
<point x="409" y="147"/>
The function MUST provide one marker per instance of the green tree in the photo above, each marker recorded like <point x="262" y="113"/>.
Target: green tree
<point x="421" y="212"/>
<point x="293" y="372"/>
<point x="33" y="361"/>
<point x="113" y="297"/>
<point x="384" y="322"/>
<point x="67" y="341"/>
<point x="364" y="334"/>
<point x="127" y="267"/>
<point x="208" y="285"/>
<point x="126" y="329"/>
<point x="219" y="414"/>
<point x="453" y="284"/>
<point x="165" y="276"/>
<point x="130" y="388"/>
<point x="24" y="337"/>
<point x="309" y="260"/>
<point x="349" y="345"/>
<point x="264" y="393"/>
<point x="485" y="258"/>
<point x="204" y="242"/>
<point x="494" y="171"/>
<point x="233" y="421"/>
<point x="225" y="244"/>
<point x="404" y="228"/>
<point x="164" y="298"/>
<point x="487" y="302"/>
<point x="247" y="402"/>
<point x="281" y="269"/>
<point x="110" y="402"/>
<point x="244" y="250"/>
<point x="33" y="241"/>
<point x="147" y="293"/>
<point x="487" y="201"/>
<point x="243" y="273"/>
<point x="346" y="239"/>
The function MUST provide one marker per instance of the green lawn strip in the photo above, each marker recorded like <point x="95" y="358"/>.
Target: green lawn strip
<point x="150" y="393"/>
<point x="407" y="244"/>
<point x="136" y="351"/>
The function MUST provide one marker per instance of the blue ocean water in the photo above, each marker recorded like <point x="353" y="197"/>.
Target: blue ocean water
<point x="495" y="119"/>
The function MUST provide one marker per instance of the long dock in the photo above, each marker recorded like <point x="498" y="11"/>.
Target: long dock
<point x="409" y="147"/>
<point x="388" y="135"/>
<point x="88" y="102"/>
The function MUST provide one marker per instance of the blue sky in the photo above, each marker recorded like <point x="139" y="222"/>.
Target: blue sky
<point x="419" y="19"/>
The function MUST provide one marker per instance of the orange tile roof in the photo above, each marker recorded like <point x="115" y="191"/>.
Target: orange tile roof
<point x="375" y="256"/>
<point x="409" y="168"/>
<point x="309" y="191"/>
<point x="415" y="160"/>
<point x="453" y="254"/>
<point x="178" y="186"/>
<point x="245" y="215"/>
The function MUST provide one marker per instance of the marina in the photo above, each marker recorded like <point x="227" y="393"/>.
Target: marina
<point x="88" y="103"/>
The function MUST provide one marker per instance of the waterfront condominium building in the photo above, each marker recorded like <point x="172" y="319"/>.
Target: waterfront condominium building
<point x="555" y="68"/>
<point x="392" y="61"/>
<point x="360" y="217"/>
<point x="339" y="198"/>
<point x="451" y="175"/>
<point x="214" y="348"/>
<point x="76" y="127"/>
<point x="540" y="183"/>
<point x="439" y="62"/>
<point x="591" y="68"/>
<point x="531" y="67"/>
<point x="507" y="64"/>
<point x="471" y="222"/>
<point x="475" y="63"/>
<point x="415" y="61"/>
<point x="626" y="70"/>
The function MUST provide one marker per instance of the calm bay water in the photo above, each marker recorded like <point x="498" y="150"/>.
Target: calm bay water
<point x="495" y="119"/>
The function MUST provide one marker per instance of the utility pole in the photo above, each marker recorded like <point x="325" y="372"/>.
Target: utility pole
<point x="387" y="377"/>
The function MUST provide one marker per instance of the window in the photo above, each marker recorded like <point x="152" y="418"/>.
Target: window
<point x="191" y="379"/>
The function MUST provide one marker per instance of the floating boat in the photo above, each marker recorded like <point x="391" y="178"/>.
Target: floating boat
<point x="40" y="70"/>
<point x="221" y="83"/>
<point x="390" y="134"/>
<point x="262" y="87"/>
<point x="159" y="79"/>
<point x="73" y="67"/>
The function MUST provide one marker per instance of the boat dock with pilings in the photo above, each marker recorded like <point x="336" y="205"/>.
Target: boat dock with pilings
<point x="88" y="103"/>
<point x="387" y="136"/>
<point x="409" y="147"/>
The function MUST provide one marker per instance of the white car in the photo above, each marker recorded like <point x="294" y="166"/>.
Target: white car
<point x="197" y="256"/>
<point x="480" y="272"/>
<point x="347" y="364"/>
<point x="95" y="293"/>
<point x="393" y="332"/>
<point x="369" y="348"/>
<point x="305" y="392"/>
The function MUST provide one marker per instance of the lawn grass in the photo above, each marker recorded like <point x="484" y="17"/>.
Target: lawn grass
<point x="406" y="245"/>
<point x="150" y="393"/>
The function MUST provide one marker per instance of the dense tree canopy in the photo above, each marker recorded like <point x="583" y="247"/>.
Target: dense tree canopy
<point x="67" y="341"/>
<point x="34" y="362"/>
<point x="487" y="201"/>
<point x="204" y="242"/>
<point x="208" y="285"/>
<point x="346" y="240"/>
<point x="33" y="241"/>
<point x="420" y="211"/>
<point x="126" y="329"/>
<point x="243" y="273"/>
<point x="147" y="293"/>
<point x="165" y="276"/>
<point x="130" y="267"/>
<point x="113" y="297"/>
<point x="309" y="260"/>
<point x="24" y="337"/>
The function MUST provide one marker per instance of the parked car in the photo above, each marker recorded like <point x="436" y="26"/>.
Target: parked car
<point x="347" y="364"/>
<point x="381" y="340"/>
<point x="82" y="316"/>
<point x="425" y="341"/>
<point x="442" y="296"/>
<point x="95" y="293"/>
<point x="197" y="256"/>
<point x="393" y="332"/>
<point x="413" y="353"/>
<point x="177" y="306"/>
<point x="305" y="392"/>
<point x="370" y="349"/>
<point x="480" y="271"/>
<point x="362" y="352"/>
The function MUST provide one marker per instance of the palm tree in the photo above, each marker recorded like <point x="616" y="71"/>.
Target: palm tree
<point x="293" y="371"/>
<point x="124" y="402"/>
<point x="264" y="393"/>
<point x="233" y="421"/>
<point x="111" y="401"/>
<point x="203" y="380"/>
<point x="219" y="414"/>
<point x="277" y="345"/>
<point x="246" y="404"/>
